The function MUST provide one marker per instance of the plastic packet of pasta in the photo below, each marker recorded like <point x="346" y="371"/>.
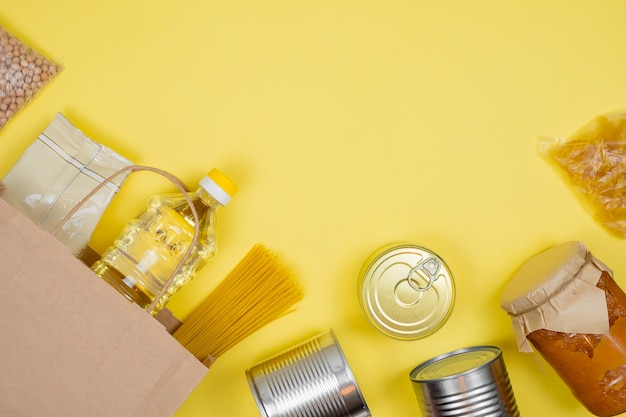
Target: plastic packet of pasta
<point x="593" y="160"/>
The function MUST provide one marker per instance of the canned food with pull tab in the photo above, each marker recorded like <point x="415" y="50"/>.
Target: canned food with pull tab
<point x="406" y="291"/>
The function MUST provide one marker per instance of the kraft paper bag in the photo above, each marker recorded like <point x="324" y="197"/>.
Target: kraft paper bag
<point x="70" y="345"/>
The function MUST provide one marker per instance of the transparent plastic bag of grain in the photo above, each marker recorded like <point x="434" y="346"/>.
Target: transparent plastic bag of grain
<point x="23" y="73"/>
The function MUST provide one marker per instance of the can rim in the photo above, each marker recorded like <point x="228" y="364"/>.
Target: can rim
<point x="413" y="375"/>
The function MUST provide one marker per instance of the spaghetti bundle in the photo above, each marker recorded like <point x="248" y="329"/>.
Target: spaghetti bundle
<point x="257" y="291"/>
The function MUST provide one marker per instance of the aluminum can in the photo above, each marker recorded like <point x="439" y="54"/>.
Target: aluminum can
<point x="469" y="382"/>
<point x="311" y="379"/>
<point x="406" y="291"/>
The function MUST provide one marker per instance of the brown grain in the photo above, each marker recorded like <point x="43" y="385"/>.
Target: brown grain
<point x="23" y="72"/>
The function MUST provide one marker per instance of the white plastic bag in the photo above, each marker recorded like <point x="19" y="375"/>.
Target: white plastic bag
<point x="55" y="172"/>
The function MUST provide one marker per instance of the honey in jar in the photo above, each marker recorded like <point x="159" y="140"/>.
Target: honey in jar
<point x="565" y="303"/>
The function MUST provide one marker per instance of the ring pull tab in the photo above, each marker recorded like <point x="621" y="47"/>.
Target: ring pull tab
<point x="431" y="266"/>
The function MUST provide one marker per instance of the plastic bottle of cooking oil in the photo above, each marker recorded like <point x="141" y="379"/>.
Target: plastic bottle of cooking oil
<point x="146" y="253"/>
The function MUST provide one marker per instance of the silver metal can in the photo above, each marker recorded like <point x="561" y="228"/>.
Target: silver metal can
<point x="406" y="291"/>
<point x="311" y="379"/>
<point x="470" y="382"/>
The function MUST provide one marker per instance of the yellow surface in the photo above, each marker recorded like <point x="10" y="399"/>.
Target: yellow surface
<point x="347" y="125"/>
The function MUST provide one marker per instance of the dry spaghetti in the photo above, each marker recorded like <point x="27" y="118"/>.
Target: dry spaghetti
<point x="257" y="291"/>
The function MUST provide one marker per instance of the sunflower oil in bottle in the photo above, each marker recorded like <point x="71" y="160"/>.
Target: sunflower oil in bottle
<point x="144" y="256"/>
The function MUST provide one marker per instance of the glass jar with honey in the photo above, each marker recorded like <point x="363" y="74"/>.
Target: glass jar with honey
<point x="565" y="303"/>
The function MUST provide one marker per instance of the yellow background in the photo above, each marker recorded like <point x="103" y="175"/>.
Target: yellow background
<point x="347" y="125"/>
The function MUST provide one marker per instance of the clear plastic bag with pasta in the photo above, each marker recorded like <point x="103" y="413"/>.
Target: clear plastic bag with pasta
<point x="593" y="160"/>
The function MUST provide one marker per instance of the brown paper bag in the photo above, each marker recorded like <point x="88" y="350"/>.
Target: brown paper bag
<point x="70" y="345"/>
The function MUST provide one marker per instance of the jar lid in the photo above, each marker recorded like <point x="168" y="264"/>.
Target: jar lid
<point x="556" y="289"/>
<point x="406" y="291"/>
<point x="543" y="275"/>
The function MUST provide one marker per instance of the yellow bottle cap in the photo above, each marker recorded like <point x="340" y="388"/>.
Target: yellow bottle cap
<point x="219" y="186"/>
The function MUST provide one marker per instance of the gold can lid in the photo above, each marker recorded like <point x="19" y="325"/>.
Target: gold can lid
<point x="406" y="291"/>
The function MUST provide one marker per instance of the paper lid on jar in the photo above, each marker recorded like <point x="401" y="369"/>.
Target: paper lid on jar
<point x="556" y="290"/>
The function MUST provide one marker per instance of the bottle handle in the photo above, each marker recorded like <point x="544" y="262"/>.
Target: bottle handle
<point x="174" y="180"/>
